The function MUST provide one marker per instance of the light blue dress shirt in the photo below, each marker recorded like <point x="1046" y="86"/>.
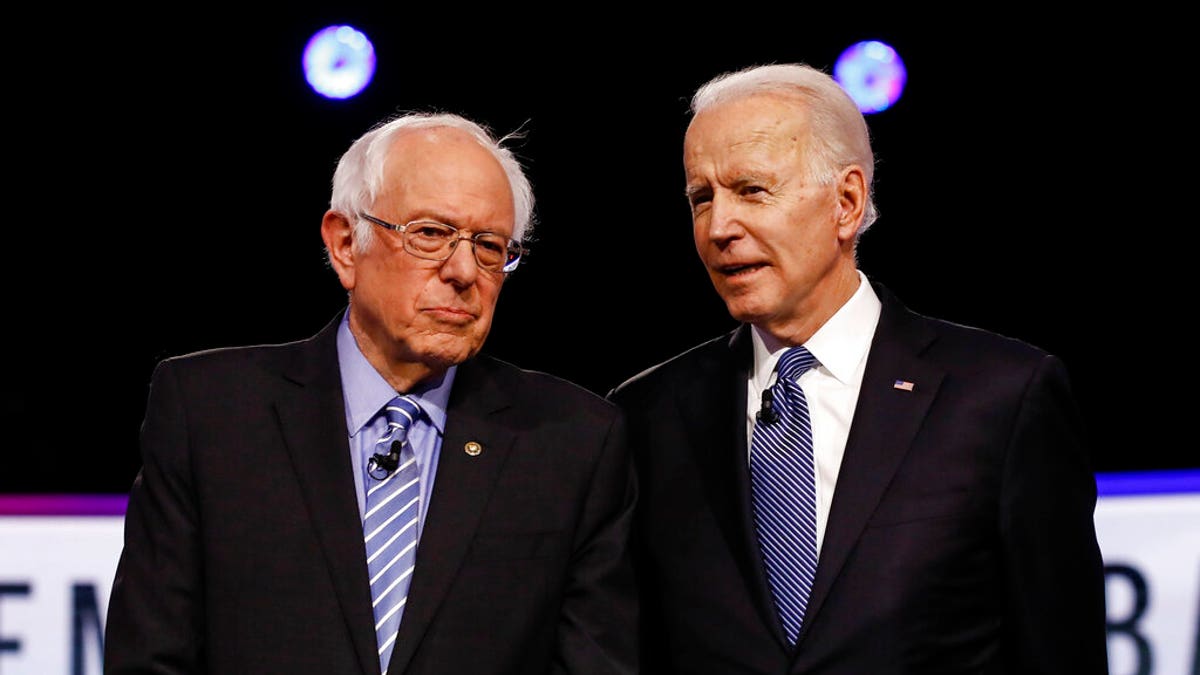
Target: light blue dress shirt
<point x="366" y="393"/>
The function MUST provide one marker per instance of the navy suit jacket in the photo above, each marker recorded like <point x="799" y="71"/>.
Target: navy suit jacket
<point x="960" y="538"/>
<point x="244" y="549"/>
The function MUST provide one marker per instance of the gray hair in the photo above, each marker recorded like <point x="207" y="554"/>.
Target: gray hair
<point x="838" y="131"/>
<point x="358" y="178"/>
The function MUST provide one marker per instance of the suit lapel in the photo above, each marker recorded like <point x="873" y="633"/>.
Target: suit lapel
<point x="713" y="406"/>
<point x="462" y="489"/>
<point x="313" y="423"/>
<point x="885" y="422"/>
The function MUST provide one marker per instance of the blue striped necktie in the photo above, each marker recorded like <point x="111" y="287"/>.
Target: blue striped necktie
<point x="390" y="525"/>
<point x="784" y="491"/>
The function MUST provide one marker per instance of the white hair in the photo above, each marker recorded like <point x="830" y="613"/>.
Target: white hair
<point x="359" y="176"/>
<point x="838" y="130"/>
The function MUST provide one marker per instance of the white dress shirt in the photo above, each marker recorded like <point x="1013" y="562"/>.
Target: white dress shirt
<point x="831" y="388"/>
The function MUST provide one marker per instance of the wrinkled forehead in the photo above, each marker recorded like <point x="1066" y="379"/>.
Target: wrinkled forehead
<point x="442" y="149"/>
<point x="763" y="127"/>
<point x="758" y="120"/>
<point x="445" y="173"/>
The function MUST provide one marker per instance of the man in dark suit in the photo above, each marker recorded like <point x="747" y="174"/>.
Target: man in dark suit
<point x="935" y="509"/>
<point x="245" y="544"/>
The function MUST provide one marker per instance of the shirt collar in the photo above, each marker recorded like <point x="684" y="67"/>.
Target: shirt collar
<point x="840" y="345"/>
<point x="366" y="392"/>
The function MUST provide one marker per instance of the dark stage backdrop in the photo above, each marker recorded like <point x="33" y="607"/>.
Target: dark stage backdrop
<point x="176" y="170"/>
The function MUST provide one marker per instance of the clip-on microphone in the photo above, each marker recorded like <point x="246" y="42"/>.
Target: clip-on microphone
<point x="767" y="414"/>
<point x="384" y="463"/>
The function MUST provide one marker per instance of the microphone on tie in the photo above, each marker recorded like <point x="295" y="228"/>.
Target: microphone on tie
<point x="385" y="463"/>
<point x="767" y="414"/>
<point x="390" y="521"/>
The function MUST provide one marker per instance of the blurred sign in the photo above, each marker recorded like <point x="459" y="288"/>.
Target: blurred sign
<point x="55" y="575"/>
<point x="1148" y="526"/>
<point x="58" y="555"/>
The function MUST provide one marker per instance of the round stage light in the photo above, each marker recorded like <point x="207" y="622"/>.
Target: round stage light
<point x="872" y="73"/>
<point x="339" y="62"/>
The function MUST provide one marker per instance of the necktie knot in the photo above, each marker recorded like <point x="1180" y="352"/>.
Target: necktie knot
<point x="794" y="363"/>
<point x="401" y="411"/>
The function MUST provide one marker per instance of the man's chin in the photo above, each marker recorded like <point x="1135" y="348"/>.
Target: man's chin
<point x="443" y="351"/>
<point x="744" y="311"/>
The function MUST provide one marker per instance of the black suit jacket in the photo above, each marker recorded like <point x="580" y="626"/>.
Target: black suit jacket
<point x="244" y="550"/>
<point x="960" y="538"/>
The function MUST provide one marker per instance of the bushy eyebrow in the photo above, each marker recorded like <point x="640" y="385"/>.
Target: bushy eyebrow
<point x="741" y="181"/>
<point x="693" y="190"/>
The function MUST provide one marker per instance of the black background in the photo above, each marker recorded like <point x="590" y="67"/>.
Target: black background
<point x="168" y="174"/>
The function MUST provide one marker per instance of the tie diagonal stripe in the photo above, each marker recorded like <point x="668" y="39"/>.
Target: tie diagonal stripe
<point x="784" y="493"/>
<point x="382" y="500"/>
<point x="390" y="523"/>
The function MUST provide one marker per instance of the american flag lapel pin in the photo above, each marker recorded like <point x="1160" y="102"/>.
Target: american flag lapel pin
<point x="902" y="385"/>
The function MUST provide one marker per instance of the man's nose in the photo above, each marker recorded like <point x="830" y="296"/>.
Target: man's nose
<point x="460" y="268"/>
<point x="724" y="219"/>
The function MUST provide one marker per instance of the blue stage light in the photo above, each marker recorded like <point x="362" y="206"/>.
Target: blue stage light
<point x="339" y="62"/>
<point x="872" y="73"/>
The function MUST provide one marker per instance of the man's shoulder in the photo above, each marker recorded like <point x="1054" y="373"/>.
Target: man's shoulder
<point x="945" y="337"/>
<point x="979" y="346"/>
<point x="235" y="356"/>
<point x="266" y="354"/>
<point x="540" y="387"/>
<point x="235" y="370"/>
<point x="673" y="371"/>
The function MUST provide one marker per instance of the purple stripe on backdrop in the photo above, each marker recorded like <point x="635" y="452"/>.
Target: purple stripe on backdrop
<point x="63" y="505"/>
<point x="1175" y="481"/>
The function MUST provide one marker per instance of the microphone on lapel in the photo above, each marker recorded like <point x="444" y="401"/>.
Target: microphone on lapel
<point x="767" y="414"/>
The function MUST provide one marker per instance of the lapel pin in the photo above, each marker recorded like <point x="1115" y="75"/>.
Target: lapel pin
<point x="902" y="385"/>
<point x="472" y="448"/>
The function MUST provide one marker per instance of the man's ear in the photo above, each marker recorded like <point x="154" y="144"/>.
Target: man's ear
<point x="338" y="234"/>
<point x="852" y="201"/>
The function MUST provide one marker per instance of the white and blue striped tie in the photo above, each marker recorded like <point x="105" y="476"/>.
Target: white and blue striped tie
<point x="784" y="491"/>
<point x="390" y="526"/>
